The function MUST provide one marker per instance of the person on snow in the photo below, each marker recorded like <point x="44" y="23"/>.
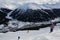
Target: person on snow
<point x="52" y="26"/>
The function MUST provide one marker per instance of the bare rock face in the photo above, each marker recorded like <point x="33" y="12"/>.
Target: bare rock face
<point x="38" y="15"/>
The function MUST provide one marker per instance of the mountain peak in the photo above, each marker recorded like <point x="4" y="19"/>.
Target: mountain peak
<point x="32" y="6"/>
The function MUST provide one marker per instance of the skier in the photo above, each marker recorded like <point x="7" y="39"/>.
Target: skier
<point x="52" y="27"/>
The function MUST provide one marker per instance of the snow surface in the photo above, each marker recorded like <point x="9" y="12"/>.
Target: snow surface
<point x="42" y="34"/>
<point x="14" y="24"/>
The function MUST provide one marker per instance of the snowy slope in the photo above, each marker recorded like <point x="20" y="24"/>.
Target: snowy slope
<point x="42" y="34"/>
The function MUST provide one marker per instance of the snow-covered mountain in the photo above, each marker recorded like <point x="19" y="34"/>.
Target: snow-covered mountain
<point x="35" y="12"/>
<point x="29" y="16"/>
<point x="32" y="12"/>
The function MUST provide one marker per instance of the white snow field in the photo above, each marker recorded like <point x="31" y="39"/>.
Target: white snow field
<point x="42" y="34"/>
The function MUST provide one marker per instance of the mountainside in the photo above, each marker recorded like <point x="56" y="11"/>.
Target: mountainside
<point x="28" y="13"/>
<point x="33" y="12"/>
<point x="3" y="14"/>
<point x="38" y="15"/>
<point x="5" y="10"/>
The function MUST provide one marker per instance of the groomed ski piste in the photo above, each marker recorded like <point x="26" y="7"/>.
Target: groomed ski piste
<point x="42" y="34"/>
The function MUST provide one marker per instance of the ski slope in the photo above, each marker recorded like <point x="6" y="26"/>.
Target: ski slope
<point x="42" y="34"/>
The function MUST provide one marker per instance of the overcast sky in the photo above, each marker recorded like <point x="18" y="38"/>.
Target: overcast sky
<point x="13" y="3"/>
